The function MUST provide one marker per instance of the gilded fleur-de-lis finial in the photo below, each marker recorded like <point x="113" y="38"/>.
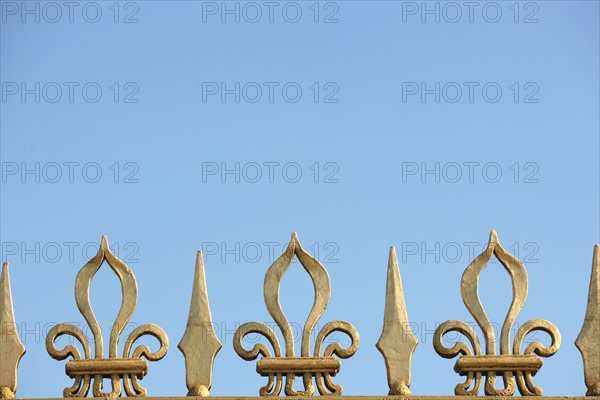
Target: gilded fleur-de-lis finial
<point x="397" y="343"/>
<point x="199" y="344"/>
<point x="588" y="340"/>
<point x="473" y="364"/>
<point x="130" y="368"/>
<point x="11" y="347"/>
<point x="275" y="367"/>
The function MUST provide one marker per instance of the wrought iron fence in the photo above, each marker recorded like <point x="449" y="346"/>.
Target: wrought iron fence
<point x="514" y="365"/>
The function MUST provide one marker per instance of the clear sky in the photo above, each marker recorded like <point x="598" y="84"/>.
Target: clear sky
<point x="180" y="126"/>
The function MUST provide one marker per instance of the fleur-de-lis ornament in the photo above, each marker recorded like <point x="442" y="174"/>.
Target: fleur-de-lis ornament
<point x="275" y="367"/>
<point x="474" y="364"/>
<point x="130" y="367"/>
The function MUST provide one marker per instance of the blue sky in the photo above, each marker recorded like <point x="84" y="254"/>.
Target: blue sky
<point x="180" y="126"/>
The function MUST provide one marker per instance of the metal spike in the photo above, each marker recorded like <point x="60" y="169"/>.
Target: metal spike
<point x="11" y="347"/>
<point x="587" y="341"/>
<point x="397" y="343"/>
<point x="199" y="344"/>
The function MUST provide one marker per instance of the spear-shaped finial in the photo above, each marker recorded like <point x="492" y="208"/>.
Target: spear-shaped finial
<point x="397" y="343"/>
<point x="11" y="347"/>
<point x="587" y="341"/>
<point x="199" y="344"/>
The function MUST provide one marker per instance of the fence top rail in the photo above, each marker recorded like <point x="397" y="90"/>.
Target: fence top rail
<point x="351" y="397"/>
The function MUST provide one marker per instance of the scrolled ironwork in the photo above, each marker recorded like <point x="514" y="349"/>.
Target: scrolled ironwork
<point x="130" y="368"/>
<point x="278" y="366"/>
<point x="476" y="365"/>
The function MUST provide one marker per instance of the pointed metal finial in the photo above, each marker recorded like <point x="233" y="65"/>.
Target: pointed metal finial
<point x="11" y="347"/>
<point x="199" y="344"/>
<point x="397" y="343"/>
<point x="494" y="237"/>
<point x="104" y="246"/>
<point x="587" y="341"/>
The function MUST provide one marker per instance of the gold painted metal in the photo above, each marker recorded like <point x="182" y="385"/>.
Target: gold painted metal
<point x="288" y="365"/>
<point x="352" y="397"/>
<point x="130" y="368"/>
<point x="199" y="344"/>
<point x="588" y="341"/>
<point x="473" y="364"/>
<point x="106" y="366"/>
<point x="275" y="367"/>
<point x="397" y="343"/>
<point x="498" y="363"/>
<point x="11" y="347"/>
